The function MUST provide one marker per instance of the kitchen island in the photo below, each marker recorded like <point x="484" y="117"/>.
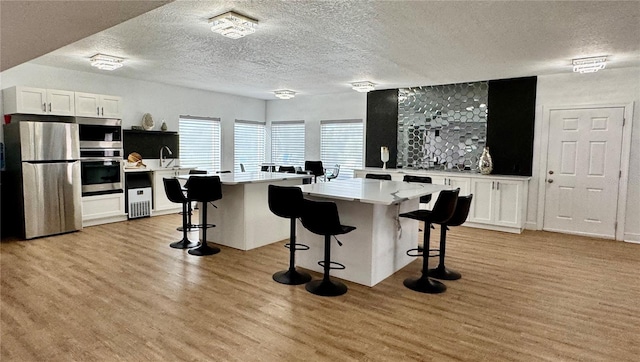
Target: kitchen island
<point x="242" y="217"/>
<point x="377" y="248"/>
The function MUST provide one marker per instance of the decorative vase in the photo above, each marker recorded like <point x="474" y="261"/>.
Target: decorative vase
<point x="485" y="164"/>
<point x="384" y="156"/>
<point x="164" y="126"/>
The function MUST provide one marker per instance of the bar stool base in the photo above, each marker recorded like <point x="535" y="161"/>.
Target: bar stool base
<point x="444" y="274"/>
<point x="326" y="288"/>
<point x="184" y="244"/>
<point x="425" y="285"/>
<point x="203" y="250"/>
<point x="291" y="277"/>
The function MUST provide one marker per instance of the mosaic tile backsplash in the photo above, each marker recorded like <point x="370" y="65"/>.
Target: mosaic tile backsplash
<point x="442" y="127"/>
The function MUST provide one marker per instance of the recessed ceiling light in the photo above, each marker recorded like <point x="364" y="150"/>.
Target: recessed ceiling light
<point x="233" y="25"/>
<point x="363" y="86"/>
<point x="106" y="62"/>
<point x="589" y="65"/>
<point x="285" y="94"/>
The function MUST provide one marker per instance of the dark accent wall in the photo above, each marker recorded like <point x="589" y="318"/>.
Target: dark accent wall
<point x="148" y="143"/>
<point x="510" y="125"/>
<point x="382" y="127"/>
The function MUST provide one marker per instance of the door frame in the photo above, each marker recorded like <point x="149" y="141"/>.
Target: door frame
<point x="624" y="161"/>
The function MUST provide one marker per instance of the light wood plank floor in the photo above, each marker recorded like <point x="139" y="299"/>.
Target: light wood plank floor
<point x="118" y="292"/>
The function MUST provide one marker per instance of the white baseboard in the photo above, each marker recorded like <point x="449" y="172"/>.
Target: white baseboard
<point x="493" y="227"/>
<point x="104" y="220"/>
<point x="531" y="225"/>
<point x="632" y="238"/>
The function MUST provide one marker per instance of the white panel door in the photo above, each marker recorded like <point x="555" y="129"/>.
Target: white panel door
<point x="583" y="166"/>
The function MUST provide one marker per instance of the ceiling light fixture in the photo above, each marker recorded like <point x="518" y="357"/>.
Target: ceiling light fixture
<point x="285" y="94"/>
<point x="364" y="86"/>
<point x="589" y="65"/>
<point x="233" y="25"/>
<point x="106" y="62"/>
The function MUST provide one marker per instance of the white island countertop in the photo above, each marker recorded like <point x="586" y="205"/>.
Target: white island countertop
<point x="371" y="191"/>
<point x="252" y="177"/>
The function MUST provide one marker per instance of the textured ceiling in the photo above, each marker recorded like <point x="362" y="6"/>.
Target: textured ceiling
<point x="319" y="47"/>
<point x="29" y="29"/>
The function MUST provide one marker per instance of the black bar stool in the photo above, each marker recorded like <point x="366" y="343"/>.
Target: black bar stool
<point x="287" y="169"/>
<point x="204" y="189"/>
<point x="174" y="193"/>
<point x="315" y="167"/>
<point x="375" y="176"/>
<point x="321" y="218"/>
<point x="190" y="207"/>
<point x="421" y="179"/>
<point x="441" y="213"/>
<point x="287" y="201"/>
<point x="459" y="217"/>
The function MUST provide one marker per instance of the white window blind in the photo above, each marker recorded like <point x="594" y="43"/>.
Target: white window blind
<point x="342" y="143"/>
<point x="200" y="142"/>
<point x="287" y="143"/>
<point x="249" y="145"/>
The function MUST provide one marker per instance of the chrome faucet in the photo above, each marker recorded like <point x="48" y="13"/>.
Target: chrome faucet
<point x="162" y="156"/>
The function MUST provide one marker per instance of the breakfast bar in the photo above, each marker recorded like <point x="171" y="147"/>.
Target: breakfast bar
<point x="377" y="248"/>
<point x="242" y="217"/>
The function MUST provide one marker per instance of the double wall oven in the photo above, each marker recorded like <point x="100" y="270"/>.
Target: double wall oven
<point x="100" y="155"/>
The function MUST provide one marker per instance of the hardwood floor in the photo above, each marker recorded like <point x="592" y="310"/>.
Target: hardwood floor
<point x="118" y="292"/>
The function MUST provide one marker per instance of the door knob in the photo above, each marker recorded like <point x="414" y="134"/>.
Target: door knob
<point x="550" y="181"/>
<point x="551" y="172"/>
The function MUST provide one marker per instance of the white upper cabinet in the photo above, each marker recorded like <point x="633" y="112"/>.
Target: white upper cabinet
<point x="28" y="100"/>
<point x="98" y="105"/>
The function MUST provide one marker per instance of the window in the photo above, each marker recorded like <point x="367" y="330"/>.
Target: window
<point x="200" y="142"/>
<point x="341" y="142"/>
<point x="249" y="144"/>
<point x="287" y="143"/>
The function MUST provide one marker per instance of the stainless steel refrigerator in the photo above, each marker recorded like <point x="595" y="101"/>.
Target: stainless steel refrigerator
<point x="43" y="171"/>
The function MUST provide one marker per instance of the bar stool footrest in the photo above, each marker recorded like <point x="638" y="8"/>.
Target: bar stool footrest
<point x="298" y="246"/>
<point x="195" y="226"/>
<point x="434" y="252"/>
<point x="415" y="252"/>
<point x="337" y="266"/>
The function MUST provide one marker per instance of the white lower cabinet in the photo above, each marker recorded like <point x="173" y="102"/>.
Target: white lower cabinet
<point x="101" y="209"/>
<point x="498" y="202"/>
<point x="161" y="203"/>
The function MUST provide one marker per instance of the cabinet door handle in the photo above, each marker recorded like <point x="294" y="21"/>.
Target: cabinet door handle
<point x="102" y="108"/>
<point x="498" y="185"/>
<point x="49" y="106"/>
<point x="492" y="185"/>
<point x="98" y="110"/>
<point x="44" y="107"/>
